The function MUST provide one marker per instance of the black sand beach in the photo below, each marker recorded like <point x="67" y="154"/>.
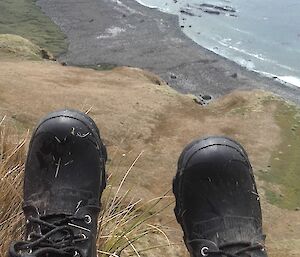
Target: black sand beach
<point x="123" y="32"/>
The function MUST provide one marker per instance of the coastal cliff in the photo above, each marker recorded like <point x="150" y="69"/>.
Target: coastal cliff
<point x="138" y="112"/>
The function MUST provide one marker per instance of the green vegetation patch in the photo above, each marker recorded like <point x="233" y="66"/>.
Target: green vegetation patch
<point x="283" y="173"/>
<point x="24" y="18"/>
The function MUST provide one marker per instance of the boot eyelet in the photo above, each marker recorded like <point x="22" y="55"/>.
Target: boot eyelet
<point x="29" y="251"/>
<point x="204" y="250"/>
<point x="87" y="219"/>
<point x="76" y="254"/>
<point x="83" y="236"/>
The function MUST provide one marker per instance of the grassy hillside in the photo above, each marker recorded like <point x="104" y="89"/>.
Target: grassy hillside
<point x="24" y="18"/>
<point x="136" y="112"/>
<point x="13" y="46"/>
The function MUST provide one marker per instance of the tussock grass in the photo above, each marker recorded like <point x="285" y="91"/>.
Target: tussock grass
<point x="125" y="224"/>
<point x="12" y="157"/>
<point x="16" y="46"/>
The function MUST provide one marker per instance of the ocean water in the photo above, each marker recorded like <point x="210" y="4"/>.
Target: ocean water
<point x="261" y="35"/>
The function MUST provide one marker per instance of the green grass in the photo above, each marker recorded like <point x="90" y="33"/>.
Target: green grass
<point x="24" y="18"/>
<point x="284" y="170"/>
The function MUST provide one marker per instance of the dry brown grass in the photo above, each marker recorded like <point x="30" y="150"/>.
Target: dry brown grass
<point x="12" y="157"/>
<point x="125" y="223"/>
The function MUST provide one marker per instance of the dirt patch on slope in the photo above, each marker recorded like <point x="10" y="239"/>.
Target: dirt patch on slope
<point x="136" y="112"/>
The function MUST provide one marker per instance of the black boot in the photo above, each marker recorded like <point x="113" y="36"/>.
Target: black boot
<point x="64" y="180"/>
<point x="217" y="204"/>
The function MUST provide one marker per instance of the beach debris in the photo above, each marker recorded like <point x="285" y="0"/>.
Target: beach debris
<point x="173" y="76"/>
<point x="206" y="97"/>
<point x="297" y="209"/>
<point x="198" y="100"/>
<point x="234" y="75"/>
<point x="202" y="99"/>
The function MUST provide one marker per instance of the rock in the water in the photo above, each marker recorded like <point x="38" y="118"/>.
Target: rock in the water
<point x="187" y="12"/>
<point x="212" y="12"/>
<point x="217" y="10"/>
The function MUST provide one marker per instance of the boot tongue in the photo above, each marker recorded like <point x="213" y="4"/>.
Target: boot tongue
<point x="231" y="233"/>
<point x="227" y="229"/>
<point x="60" y="201"/>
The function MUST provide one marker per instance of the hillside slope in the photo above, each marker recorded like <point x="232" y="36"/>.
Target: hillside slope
<point x="136" y="112"/>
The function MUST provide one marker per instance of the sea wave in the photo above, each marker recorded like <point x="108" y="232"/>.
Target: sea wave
<point x="291" y="80"/>
<point x="223" y="42"/>
<point x="149" y="6"/>
<point x="246" y="50"/>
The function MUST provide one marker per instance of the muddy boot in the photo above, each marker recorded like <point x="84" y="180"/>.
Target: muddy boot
<point x="64" y="180"/>
<point x="217" y="204"/>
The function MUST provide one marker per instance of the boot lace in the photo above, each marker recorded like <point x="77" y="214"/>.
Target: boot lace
<point x="245" y="248"/>
<point x="55" y="238"/>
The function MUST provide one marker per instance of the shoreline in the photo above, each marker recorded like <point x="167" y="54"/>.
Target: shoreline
<point x="126" y="33"/>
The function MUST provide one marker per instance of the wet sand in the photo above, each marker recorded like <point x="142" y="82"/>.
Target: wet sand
<point x="125" y="33"/>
